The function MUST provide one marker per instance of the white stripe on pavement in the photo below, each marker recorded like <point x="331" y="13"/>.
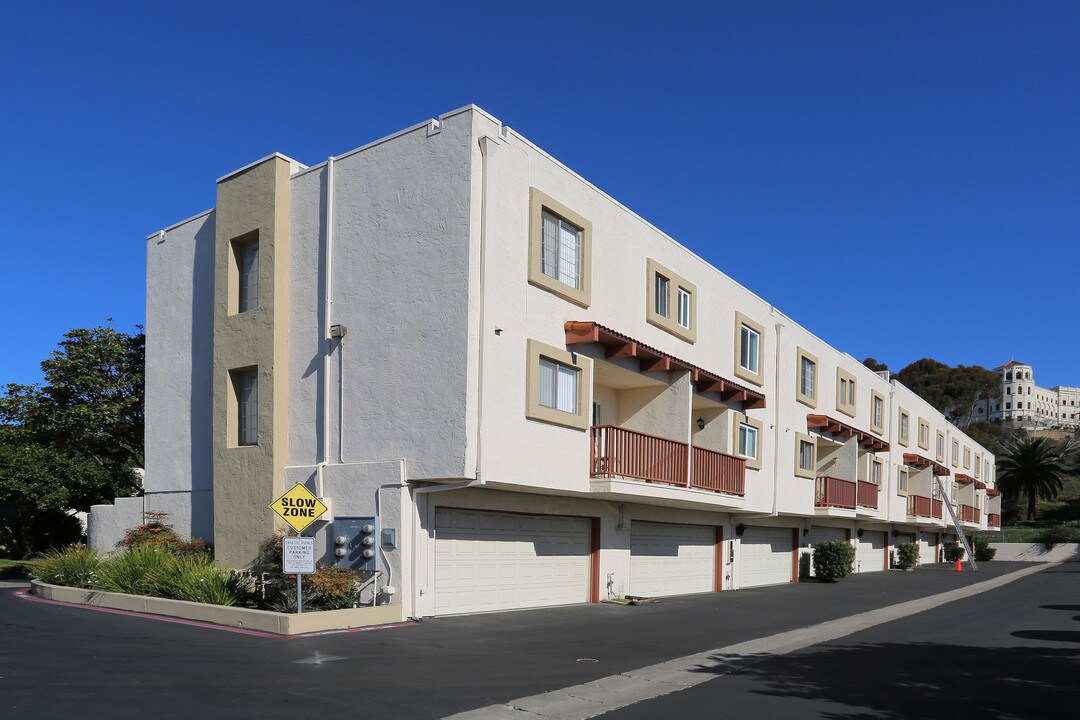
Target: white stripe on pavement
<point x="588" y="700"/>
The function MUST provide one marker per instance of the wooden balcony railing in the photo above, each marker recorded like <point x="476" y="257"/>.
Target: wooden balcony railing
<point x="834" y="492"/>
<point x="922" y="506"/>
<point x="993" y="520"/>
<point x="621" y="452"/>
<point x="629" y="453"/>
<point x="969" y="513"/>
<point x="717" y="471"/>
<point x="867" y="494"/>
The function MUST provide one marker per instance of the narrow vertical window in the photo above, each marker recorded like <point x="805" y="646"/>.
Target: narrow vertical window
<point x="901" y="482"/>
<point x="248" y="276"/>
<point x="749" y="346"/>
<point x="879" y="412"/>
<point x="875" y="472"/>
<point x="247" y="410"/>
<point x="806" y="377"/>
<point x="904" y="426"/>
<point x="684" y="308"/>
<point x="806" y="455"/>
<point x="748" y="441"/>
<point x="661" y="295"/>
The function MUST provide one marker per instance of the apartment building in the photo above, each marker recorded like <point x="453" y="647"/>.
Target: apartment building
<point x="529" y="395"/>
<point x="1025" y="404"/>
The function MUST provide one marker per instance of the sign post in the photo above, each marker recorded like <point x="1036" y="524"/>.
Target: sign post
<point x="299" y="507"/>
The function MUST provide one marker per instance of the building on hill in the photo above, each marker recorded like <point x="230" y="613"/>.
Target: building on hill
<point x="528" y="394"/>
<point x="1025" y="404"/>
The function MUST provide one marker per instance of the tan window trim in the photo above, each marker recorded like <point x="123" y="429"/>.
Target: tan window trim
<point x="902" y="413"/>
<point x="757" y="378"/>
<point x="800" y="438"/>
<point x="842" y="404"/>
<point x="880" y="427"/>
<point x="538" y="202"/>
<point x="670" y="322"/>
<point x="737" y="419"/>
<point x="808" y="400"/>
<point x="579" y="420"/>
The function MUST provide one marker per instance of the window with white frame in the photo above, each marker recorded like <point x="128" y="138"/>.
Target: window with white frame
<point x="955" y="453"/>
<point x="905" y="422"/>
<point x="875" y="472"/>
<point x="924" y="434"/>
<point x="902" y="480"/>
<point x="684" y="308"/>
<point x="941" y="447"/>
<point x="806" y="381"/>
<point x="845" y="392"/>
<point x="748" y="441"/>
<point x="560" y="250"/>
<point x="877" y="412"/>
<point x="749" y="348"/>
<point x="558" y="386"/>
<point x="661" y="297"/>
<point x="806" y="455"/>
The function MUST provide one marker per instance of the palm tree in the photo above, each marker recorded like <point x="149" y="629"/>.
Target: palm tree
<point x="1032" y="468"/>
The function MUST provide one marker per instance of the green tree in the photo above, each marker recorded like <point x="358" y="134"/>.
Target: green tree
<point x="1032" y="469"/>
<point x="954" y="391"/>
<point x="73" y="441"/>
<point x="874" y="365"/>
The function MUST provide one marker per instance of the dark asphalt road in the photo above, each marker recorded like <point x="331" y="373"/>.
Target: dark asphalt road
<point x="56" y="662"/>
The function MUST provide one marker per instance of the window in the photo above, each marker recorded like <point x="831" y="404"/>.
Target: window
<point x="748" y="437"/>
<point x="244" y="410"/>
<point x="661" y="295"/>
<point x="941" y="447"/>
<point x="875" y="472"/>
<point x="684" y="308"/>
<point x="924" y="434"/>
<point x="845" y="392"/>
<point x="749" y="349"/>
<point x="978" y="464"/>
<point x="806" y="380"/>
<point x="955" y="453"/>
<point x="805" y="456"/>
<point x="557" y="382"/>
<point x="671" y="302"/>
<point x="877" y="411"/>
<point x="558" y="386"/>
<point x="244" y="273"/>
<point x="902" y="481"/>
<point x="905" y="427"/>
<point x="967" y="458"/>
<point x="560" y="249"/>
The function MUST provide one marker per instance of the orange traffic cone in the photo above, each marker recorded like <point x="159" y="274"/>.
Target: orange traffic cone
<point x="959" y="566"/>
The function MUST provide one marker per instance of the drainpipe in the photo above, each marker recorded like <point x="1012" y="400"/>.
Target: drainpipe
<point x="776" y="420"/>
<point x="328" y="303"/>
<point x="484" y="179"/>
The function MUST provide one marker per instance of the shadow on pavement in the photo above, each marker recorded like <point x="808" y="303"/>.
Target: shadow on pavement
<point x="896" y="681"/>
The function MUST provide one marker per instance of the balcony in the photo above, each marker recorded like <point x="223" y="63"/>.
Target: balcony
<point x="867" y="495"/>
<point x="834" y="492"/>
<point x="970" y="514"/>
<point x="993" y="520"/>
<point x="920" y="506"/>
<point x="619" y="452"/>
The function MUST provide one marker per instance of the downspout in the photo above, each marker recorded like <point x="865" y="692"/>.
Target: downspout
<point x="328" y="303"/>
<point x="776" y="422"/>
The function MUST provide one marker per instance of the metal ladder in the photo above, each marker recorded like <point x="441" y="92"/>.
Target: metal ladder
<point x="956" y="524"/>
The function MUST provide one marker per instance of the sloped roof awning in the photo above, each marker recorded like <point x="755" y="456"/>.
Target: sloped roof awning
<point x="617" y="345"/>
<point x="920" y="461"/>
<point x="836" y="427"/>
<point x="965" y="479"/>
<point x="993" y="492"/>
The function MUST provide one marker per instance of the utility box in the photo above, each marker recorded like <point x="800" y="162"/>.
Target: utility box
<point x="356" y="542"/>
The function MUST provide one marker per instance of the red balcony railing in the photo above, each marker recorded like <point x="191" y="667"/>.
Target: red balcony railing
<point x="993" y="520"/>
<point x="629" y="453"/>
<point x="717" y="471"/>
<point x="834" y="492"/>
<point x="922" y="506"/>
<point x="867" y="494"/>
<point x="969" y="513"/>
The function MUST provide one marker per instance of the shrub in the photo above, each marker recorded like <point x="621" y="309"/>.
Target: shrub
<point x="74" y="566"/>
<point x="334" y="587"/>
<point x="833" y="559"/>
<point x="131" y="572"/>
<point x="953" y="551"/>
<point x="1057" y="534"/>
<point x="983" y="551"/>
<point x="193" y="547"/>
<point x="907" y="556"/>
<point x="153" y="531"/>
<point x="195" y="578"/>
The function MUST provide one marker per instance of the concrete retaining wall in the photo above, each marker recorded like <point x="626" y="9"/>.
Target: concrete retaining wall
<point x="1035" y="552"/>
<point x="258" y="620"/>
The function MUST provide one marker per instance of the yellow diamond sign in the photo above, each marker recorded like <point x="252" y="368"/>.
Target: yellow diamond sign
<point x="299" y="507"/>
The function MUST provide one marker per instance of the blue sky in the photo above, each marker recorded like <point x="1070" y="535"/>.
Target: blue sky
<point x="901" y="178"/>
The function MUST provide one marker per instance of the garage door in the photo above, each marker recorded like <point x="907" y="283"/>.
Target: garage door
<point x="495" y="561"/>
<point x="765" y="556"/>
<point x="819" y="534"/>
<point x="927" y="548"/>
<point x="870" y="554"/>
<point x="671" y="559"/>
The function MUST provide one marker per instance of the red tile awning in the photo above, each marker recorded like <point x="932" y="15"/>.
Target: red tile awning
<point x="836" y="427"/>
<point x="992" y="492"/>
<point x="650" y="359"/>
<point x="965" y="479"/>
<point x="980" y="485"/>
<point x="920" y="461"/>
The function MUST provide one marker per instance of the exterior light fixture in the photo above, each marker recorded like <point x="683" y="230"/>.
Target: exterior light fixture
<point x="740" y="529"/>
<point x="860" y="532"/>
<point x="700" y="423"/>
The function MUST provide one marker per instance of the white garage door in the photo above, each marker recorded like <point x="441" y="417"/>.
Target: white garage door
<point x="671" y="559"/>
<point x="870" y="554"/>
<point x="927" y="548"/>
<point x="765" y="556"/>
<point x="494" y="561"/>
<point x="819" y="534"/>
